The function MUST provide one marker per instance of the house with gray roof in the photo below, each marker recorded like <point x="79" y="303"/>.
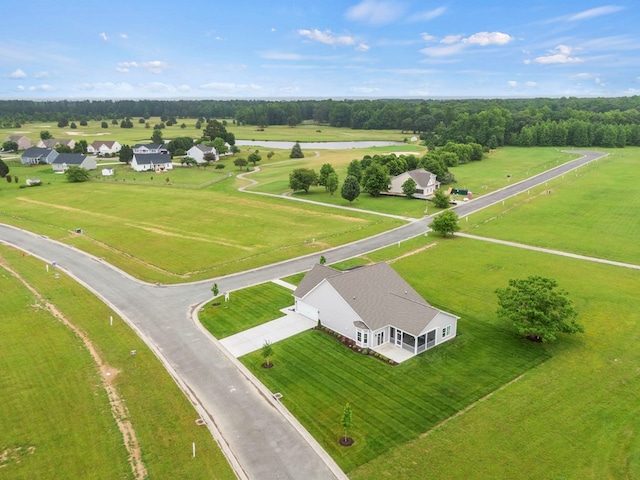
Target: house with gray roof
<point x="35" y="155"/>
<point x="54" y="142"/>
<point x="65" y="160"/>
<point x="154" y="162"/>
<point x="197" y="152"/>
<point x="426" y="182"/>
<point x="150" y="148"/>
<point x="374" y="307"/>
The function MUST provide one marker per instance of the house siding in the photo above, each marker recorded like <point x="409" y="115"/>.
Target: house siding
<point x="334" y="313"/>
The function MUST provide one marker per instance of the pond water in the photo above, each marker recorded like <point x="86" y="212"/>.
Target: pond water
<point x="318" y="145"/>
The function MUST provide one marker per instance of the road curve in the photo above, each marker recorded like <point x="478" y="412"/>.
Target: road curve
<point x="258" y="436"/>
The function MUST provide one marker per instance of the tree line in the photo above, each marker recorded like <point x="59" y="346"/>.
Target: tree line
<point x="585" y="122"/>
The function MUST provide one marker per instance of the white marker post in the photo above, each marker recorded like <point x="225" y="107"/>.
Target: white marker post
<point x="193" y="449"/>
<point x="47" y="267"/>
<point x="111" y="320"/>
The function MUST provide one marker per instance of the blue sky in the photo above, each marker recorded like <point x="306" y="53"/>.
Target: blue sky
<point x="317" y="49"/>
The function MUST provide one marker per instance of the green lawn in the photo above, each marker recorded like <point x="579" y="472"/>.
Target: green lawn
<point x="53" y="399"/>
<point x="246" y="308"/>
<point x="180" y="234"/>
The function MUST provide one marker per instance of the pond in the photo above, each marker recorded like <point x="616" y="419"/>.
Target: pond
<point x="318" y="145"/>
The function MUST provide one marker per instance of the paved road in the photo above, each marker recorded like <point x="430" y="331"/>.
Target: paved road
<point x="256" y="433"/>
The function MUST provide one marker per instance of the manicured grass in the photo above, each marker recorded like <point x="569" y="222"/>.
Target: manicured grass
<point x="590" y="212"/>
<point x="246" y="308"/>
<point x="313" y="133"/>
<point x="173" y="234"/>
<point x="571" y="417"/>
<point x="581" y="392"/>
<point x="53" y="400"/>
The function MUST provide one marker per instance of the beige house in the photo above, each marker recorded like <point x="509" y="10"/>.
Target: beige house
<point x="426" y="182"/>
<point x="22" y="141"/>
<point x="54" y="142"/>
<point x="104" y="147"/>
<point x="373" y="306"/>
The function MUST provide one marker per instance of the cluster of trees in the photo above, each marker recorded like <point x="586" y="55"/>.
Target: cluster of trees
<point x="490" y="123"/>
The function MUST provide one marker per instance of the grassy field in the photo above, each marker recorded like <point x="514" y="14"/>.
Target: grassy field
<point x="166" y="234"/>
<point x="53" y="400"/>
<point x="590" y="212"/>
<point x="139" y="134"/>
<point x="246" y="309"/>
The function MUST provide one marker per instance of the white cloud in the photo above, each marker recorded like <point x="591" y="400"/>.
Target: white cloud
<point x="127" y="64"/>
<point x="531" y="84"/>
<point x="41" y="88"/>
<point x="595" y="12"/>
<point x="155" y="66"/>
<point x="184" y="88"/>
<point x="281" y="56"/>
<point x="363" y="47"/>
<point x="488" y="38"/>
<point x="18" y="74"/>
<point x="443" y="51"/>
<point x="124" y="36"/>
<point x="103" y="36"/>
<point x="273" y="29"/>
<point x="512" y="83"/>
<point x="327" y="37"/>
<point x="122" y="70"/>
<point x="221" y="87"/>
<point x="107" y="87"/>
<point x="42" y="75"/>
<point x="561" y="54"/>
<point x="375" y="12"/>
<point x="428" y="15"/>
<point x="449" y="39"/>
<point x="20" y="88"/>
<point x="159" y="87"/>
<point x="365" y="90"/>
<point x="428" y="37"/>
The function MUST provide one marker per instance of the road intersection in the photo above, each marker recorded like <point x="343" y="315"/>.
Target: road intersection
<point x="257" y="434"/>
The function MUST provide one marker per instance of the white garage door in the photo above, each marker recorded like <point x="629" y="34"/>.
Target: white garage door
<point x="307" y="310"/>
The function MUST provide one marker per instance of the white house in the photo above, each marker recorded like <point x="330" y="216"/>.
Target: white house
<point x="197" y="152"/>
<point x="150" y="148"/>
<point x="65" y="160"/>
<point x="373" y="306"/>
<point x="156" y="162"/>
<point x="104" y="147"/>
<point x="35" y="155"/>
<point x="426" y="182"/>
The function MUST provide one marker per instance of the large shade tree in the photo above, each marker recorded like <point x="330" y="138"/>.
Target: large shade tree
<point x="537" y="308"/>
<point x="302" y="179"/>
<point x="446" y="223"/>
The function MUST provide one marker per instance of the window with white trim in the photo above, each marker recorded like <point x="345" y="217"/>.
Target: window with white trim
<point x="446" y="331"/>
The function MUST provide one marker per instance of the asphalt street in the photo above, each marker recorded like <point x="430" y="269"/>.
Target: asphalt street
<point x="260" y="438"/>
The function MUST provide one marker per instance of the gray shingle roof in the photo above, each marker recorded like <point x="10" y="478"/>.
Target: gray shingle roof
<point x="152" y="158"/>
<point x="377" y="294"/>
<point x="36" y="152"/>
<point x="69" y="159"/>
<point x="421" y="177"/>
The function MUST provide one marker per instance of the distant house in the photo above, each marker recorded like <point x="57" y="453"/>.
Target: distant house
<point x="54" y="142"/>
<point x="373" y="306"/>
<point x="426" y="182"/>
<point x="65" y="160"/>
<point x="35" y="155"/>
<point x="158" y="162"/>
<point x="22" y="141"/>
<point x="197" y="152"/>
<point x="104" y="147"/>
<point x="150" y="148"/>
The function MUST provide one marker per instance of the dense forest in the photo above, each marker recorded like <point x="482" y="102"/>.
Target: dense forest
<point x="579" y="122"/>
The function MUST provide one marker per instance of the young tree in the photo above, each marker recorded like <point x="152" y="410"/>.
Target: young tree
<point x="267" y="353"/>
<point x="355" y="169"/>
<point x="302" y="179"/>
<point x="332" y="183"/>
<point x="325" y="170"/>
<point x="214" y="290"/>
<point x="81" y="147"/>
<point x="240" y="162"/>
<point x="345" y="421"/>
<point x="45" y="135"/>
<point x="296" y="151"/>
<point x="270" y="155"/>
<point x="156" y="137"/>
<point x="73" y="125"/>
<point x="104" y="125"/>
<point x="126" y="154"/>
<point x="10" y="146"/>
<point x="220" y="145"/>
<point x="409" y="187"/>
<point x="375" y="179"/>
<point x="323" y="260"/>
<point x="61" y="148"/>
<point x="350" y="188"/>
<point x="219" y="166"/>
<point x="446" y="223"/>
<point x="76" y="174"/>
<point x="538" y="311"/>
<point x="254" y="158"/>
<point x="4" y="169"/>
<point x="441" y="199"/>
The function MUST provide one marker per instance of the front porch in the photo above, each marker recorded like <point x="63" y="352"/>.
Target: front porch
<point x="394" y="353"/>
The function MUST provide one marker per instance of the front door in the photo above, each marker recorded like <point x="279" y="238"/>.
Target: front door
<point x="379" y="338"/>
<point x="431" y="339"/>
<point x="398" y="338"/>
